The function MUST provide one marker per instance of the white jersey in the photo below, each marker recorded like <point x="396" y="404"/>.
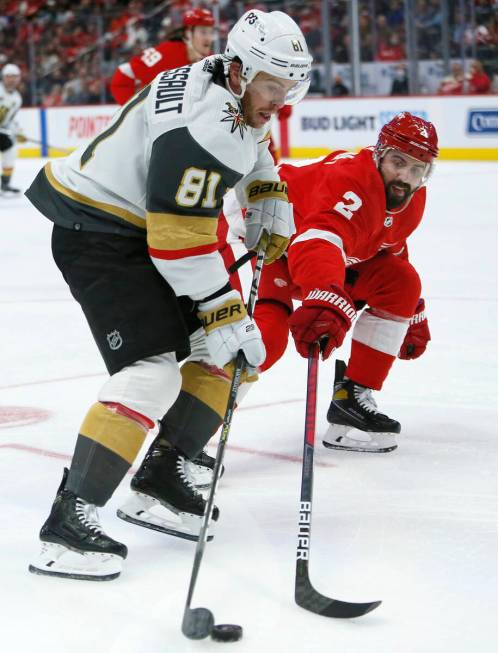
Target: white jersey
<point x="161" y="169"/>
<point x="10" y="103"/>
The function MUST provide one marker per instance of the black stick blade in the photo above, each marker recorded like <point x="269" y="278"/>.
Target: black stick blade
<point x="308" y="598"/>
<point x="197" y="623"/>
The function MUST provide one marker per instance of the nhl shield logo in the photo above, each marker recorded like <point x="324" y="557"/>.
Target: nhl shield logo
<point x="114" y="339"/>
<point x="388" y="221"/>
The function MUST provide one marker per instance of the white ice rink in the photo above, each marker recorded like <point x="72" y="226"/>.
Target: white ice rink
<point x="417" y="528"/>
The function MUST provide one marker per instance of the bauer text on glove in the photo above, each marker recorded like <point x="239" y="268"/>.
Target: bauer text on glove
<point x="269" y="212"/>
<point x="326" y="314"/>
<point x="228" y="329"/>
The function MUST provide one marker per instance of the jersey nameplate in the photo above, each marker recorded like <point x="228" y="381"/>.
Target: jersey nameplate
<point x="171" y="90"/>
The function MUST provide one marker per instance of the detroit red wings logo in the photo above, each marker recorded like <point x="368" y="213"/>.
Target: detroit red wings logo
<point x="234" y="115"/>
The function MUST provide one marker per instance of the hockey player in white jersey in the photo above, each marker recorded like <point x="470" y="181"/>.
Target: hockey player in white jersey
<point x="135" y="215"/>
<point x="10" y="133"/>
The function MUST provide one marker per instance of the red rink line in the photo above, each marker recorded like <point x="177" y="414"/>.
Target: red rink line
<point x="44" y="381"/>
<point x="252" y="452"/>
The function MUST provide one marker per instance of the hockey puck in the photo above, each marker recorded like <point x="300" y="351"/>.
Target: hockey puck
<point x="226" y="633"/>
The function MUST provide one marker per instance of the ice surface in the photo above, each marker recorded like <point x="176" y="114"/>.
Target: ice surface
<point x="417" y="528"/>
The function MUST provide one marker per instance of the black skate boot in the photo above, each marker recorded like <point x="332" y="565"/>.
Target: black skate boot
<point x="74" y="544"/>
<point x="7" y="190"/>
<point x="164" y="498"/>
<point x="355" y="422"/>
<point x="200" y="470"/>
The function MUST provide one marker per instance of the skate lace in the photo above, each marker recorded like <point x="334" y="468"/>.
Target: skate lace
<point x="185" y="476"/>
<point x="88" y="516"/>
<point x="364" y="397"/>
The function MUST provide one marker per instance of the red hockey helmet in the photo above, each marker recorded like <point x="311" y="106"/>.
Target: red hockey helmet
<point x="411" y="135"/>
<point x="198" y="18"/>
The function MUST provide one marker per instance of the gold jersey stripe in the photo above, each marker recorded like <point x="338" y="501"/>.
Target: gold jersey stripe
<point x="174" y="232"/>
<point x="212" y="389"/>
<point x="120" y="434"/>
<point x="102" y="206"/>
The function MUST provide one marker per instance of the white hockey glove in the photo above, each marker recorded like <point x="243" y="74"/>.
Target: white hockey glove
<point x="271" y="216"/>
<point x="228" y="328"/>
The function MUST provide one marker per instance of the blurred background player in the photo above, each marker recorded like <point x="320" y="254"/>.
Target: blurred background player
<point x="133" y="245"/>
<point x="187" y="44"/>
<point x="10" y="103"/>
<point x="353" y="214"/>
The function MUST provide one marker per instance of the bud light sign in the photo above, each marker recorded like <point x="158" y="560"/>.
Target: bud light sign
<point x="483" y="121"/>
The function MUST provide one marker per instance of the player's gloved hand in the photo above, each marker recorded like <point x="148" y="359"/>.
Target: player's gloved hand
<point x="417" y="336"/>
<point x="21" y="138"/>
<point x="324" y="314"/>
<point x="274" y="217"/>
<point x="228" y="328"/>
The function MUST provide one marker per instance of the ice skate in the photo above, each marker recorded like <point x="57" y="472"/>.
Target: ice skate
<point x="6" y="190"/>
<point x="163" y="496"/>
<point x="200" y="470"/>
<point x="355" y="422"/>
<point x="74" y="544"/>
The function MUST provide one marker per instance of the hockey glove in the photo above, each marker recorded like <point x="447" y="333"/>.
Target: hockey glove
<point x="228" y="329"/>
<point x="417" y="336"/>
<point x="274" y="217"/>
<point x="325" y="315"/>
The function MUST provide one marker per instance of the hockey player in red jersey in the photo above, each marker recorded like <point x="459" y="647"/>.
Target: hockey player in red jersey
<point x="190" y="43"/>
<point x="354" y="213"/>
<point x="351" y="251"/>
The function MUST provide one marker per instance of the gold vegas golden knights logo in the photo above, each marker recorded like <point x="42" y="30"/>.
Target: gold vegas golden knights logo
<point x="234" y="115"/>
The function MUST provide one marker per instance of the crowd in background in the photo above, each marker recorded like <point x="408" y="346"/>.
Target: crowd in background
<point x="69" y="50"/>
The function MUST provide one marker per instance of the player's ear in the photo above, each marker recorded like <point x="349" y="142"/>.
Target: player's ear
<point x="234" y="77"/>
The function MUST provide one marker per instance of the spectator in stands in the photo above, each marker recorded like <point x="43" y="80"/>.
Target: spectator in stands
<point x="477" y="80"/>
<point x="453" y="84"/>
<point x="392" y="50"/>
<point x="383" y="31"/>
<point x="396" y="14"/>
<point x="339" y="88"/>
<point x="399" y="85"/>
<point x="366" y="36"/>
<point x="428" y="23"/>
<point x="54" y="97"/>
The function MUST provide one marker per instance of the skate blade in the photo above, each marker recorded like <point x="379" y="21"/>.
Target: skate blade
<point x="63" y="562"/>
<point x="350" y="439"/>
<point x="139" y="509"/>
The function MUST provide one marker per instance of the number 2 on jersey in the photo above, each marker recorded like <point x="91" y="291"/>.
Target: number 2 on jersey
<point x="348" y="208"/>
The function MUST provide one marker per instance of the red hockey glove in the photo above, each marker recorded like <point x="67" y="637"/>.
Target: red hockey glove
<point x="323" y="314"/>
<point x="417" y="336"/>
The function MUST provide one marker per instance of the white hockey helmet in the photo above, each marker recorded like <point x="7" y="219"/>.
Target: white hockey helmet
<point x="271" y="43"/>
<point x="11" y="69"/>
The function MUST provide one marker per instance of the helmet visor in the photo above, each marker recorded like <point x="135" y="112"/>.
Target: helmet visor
<point x="298" y="91"/>
<point x="279" y="91"/>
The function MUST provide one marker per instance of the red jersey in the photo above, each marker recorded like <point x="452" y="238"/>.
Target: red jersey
<point x="141" y="69"/>
<point x="341" y="217"/>
<point x="479" y="83"/>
